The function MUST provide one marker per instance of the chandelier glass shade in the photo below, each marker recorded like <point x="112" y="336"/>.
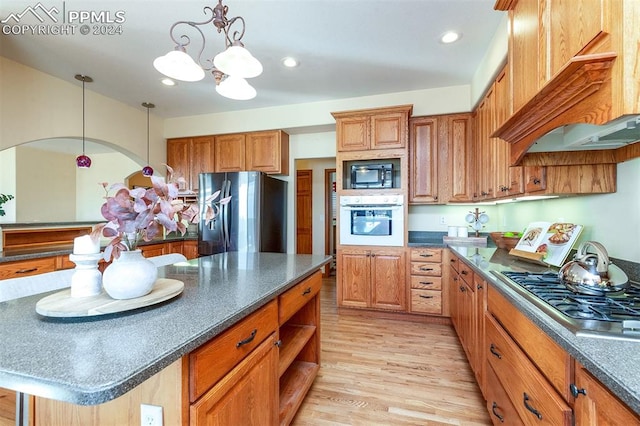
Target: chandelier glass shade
<point x="83" y="161"/>
<point x="235" y="61"/>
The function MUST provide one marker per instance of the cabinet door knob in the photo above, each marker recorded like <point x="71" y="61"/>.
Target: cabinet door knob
<point x="248" y="339"/>
<point x="529" y="407"/>
<point x="536" y="181"/>
<point x="495" y="353"/>
<point x="495" y="413"/>
<point x="463" y="288"/>
<point x="575" y="391"/>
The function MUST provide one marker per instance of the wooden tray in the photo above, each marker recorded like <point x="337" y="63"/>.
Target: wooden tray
<point x="62" y="305"/>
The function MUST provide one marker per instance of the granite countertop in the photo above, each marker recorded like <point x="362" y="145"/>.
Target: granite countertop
<point x="93" y="361"/>
<point x="613" y="362"/>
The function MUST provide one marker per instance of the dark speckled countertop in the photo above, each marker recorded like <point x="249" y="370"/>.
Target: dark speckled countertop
<point x="91" y="362"/>
<point x="615" y="363"/>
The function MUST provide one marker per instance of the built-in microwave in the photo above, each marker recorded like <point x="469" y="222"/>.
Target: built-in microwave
<point x="372" y="175"/>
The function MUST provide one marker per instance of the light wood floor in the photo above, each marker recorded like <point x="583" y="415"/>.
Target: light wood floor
<point x="389" y="372"/>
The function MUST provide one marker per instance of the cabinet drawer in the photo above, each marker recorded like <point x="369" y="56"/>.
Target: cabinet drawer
<point x="423" y="268"/>
<point x="499" y="405"/>
<point x="426" y="301"/>
<point x="298" y="296"/>
<point x="533" y="397"/>
<point x="210" y="362"/>
<point x="426" y="255"/>
<point x="426" y="283"/>
<point x="551" y="359"/>
<point x="27" y="267"/>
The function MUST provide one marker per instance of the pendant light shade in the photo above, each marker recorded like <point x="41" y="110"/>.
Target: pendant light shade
<point x="147" y="170"/>
<point x="237" y="88"/>
<point x="179" y="65"/>
<point x="83" y="161"/>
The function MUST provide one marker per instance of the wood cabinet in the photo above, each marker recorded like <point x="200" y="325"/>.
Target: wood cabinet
<point x="595" y="404"/>
<point x="441" y="159"/>
<point x="190" y="249"/>
<point x="230" y="151"/>
<point x="372" y="277"/>
<point x="266" y="152"/>
<point x="424" y="160"/>
<point x="299" y="362"/>
<point x="24" y="268"/>
<point x="426" y="294"/>
<point x="531" y="368"/>
<point x="379" y="128"/>
<point x="189" y="157"/>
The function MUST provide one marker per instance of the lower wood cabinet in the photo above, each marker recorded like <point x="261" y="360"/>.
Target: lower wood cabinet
<point x="427" y="295"/>
<point x="372" y="277"/>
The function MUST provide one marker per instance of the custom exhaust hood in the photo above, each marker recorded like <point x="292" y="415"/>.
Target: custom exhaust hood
<point x="576" y="137"/>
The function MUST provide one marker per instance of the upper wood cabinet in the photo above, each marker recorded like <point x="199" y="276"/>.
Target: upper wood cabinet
<point x="380" y="128"/>
<point x="424" y="160"/>
<point x="230" y="151"/>
<point x="440" y="159"/>
<point x="266" y="152"/>
<point x="189" y="157"/>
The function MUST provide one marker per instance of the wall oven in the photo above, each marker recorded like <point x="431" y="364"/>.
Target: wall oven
<point x="372" y="220"/>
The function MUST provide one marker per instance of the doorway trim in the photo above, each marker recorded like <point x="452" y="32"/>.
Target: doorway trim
<point x="328" y="225"/>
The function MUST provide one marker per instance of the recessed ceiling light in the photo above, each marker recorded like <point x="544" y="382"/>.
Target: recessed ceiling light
<point x="167" y="81"/>
<point x="289" y="62"/>
<point x="450" y="37"/>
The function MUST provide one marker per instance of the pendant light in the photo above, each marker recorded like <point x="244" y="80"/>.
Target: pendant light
<point x="83" y="161"/>
<point x="147" y="170"/>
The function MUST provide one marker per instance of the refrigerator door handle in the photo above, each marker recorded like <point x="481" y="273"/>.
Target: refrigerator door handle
<point x="226" y="191"/>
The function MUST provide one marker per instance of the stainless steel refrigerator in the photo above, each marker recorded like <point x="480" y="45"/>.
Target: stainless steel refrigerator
<point x="254" y="220"/>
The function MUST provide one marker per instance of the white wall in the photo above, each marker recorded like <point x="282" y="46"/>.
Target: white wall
<point x="36" y="106"/>
<point x="8" y="183"/>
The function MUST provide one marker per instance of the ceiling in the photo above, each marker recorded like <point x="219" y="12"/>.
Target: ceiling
<point x="346" y="48"/>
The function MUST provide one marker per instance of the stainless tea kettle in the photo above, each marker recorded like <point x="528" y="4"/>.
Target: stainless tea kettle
<point x="591" y="273"/>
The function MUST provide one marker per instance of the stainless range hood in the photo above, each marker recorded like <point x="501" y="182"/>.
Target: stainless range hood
<point x="578" y="137"/>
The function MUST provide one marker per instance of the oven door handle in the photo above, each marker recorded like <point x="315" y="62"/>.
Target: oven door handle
<point x="358" y="208"/>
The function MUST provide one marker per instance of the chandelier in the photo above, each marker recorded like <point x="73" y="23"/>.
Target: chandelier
<point x="230" y="68"/>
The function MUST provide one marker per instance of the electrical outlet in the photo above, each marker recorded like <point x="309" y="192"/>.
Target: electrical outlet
<point x="150" y="415"/>
<point x="443" y="220"/>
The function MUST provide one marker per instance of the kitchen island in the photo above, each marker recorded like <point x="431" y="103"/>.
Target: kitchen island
<point x="89" y="362"/>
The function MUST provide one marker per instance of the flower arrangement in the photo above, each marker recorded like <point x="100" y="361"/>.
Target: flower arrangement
<point x="138" y="214"/>
<point x="3" y="199"/>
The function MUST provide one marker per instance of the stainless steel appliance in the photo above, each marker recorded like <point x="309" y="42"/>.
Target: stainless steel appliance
<point x="611" y="315"/>
<point x="255" y="220"/>
<point x="372" y="175"/>
<point x="372" y="220"/>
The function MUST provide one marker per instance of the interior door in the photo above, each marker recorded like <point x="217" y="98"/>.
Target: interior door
<point x="304" y="212"/>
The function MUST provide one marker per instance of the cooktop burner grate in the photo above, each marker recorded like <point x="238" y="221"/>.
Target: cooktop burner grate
<point x="615" y="315"/>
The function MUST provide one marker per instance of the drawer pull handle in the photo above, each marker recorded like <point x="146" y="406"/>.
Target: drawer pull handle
<point x="426" y="282"/>
<point x="26" y="271"/>
<point x="495" y="353"/>
<point x="495" y="413"/>
<point x="426" y="269"/>
<point x="530" y="408"/>
<point x="248" y="339"/>
<point x="307" y="291"/>
<point x="425" y="255"/>
<point x="575" y="391"/>
<point x="426" y="297"/>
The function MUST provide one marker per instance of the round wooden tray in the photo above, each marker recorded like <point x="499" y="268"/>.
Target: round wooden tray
<point x="62" y="305"/>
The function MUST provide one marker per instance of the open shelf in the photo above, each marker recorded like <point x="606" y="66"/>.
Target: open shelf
<point x="294" y="337"/>
<point x="294" y="385"/>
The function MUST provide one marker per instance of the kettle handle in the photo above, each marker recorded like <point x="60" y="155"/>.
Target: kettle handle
<point x="603" y="256"/>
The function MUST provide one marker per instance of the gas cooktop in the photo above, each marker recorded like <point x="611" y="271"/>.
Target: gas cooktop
<point x="614" y="316"/>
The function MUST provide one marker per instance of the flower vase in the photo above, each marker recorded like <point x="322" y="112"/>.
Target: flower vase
<point x="129" y="276"/>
